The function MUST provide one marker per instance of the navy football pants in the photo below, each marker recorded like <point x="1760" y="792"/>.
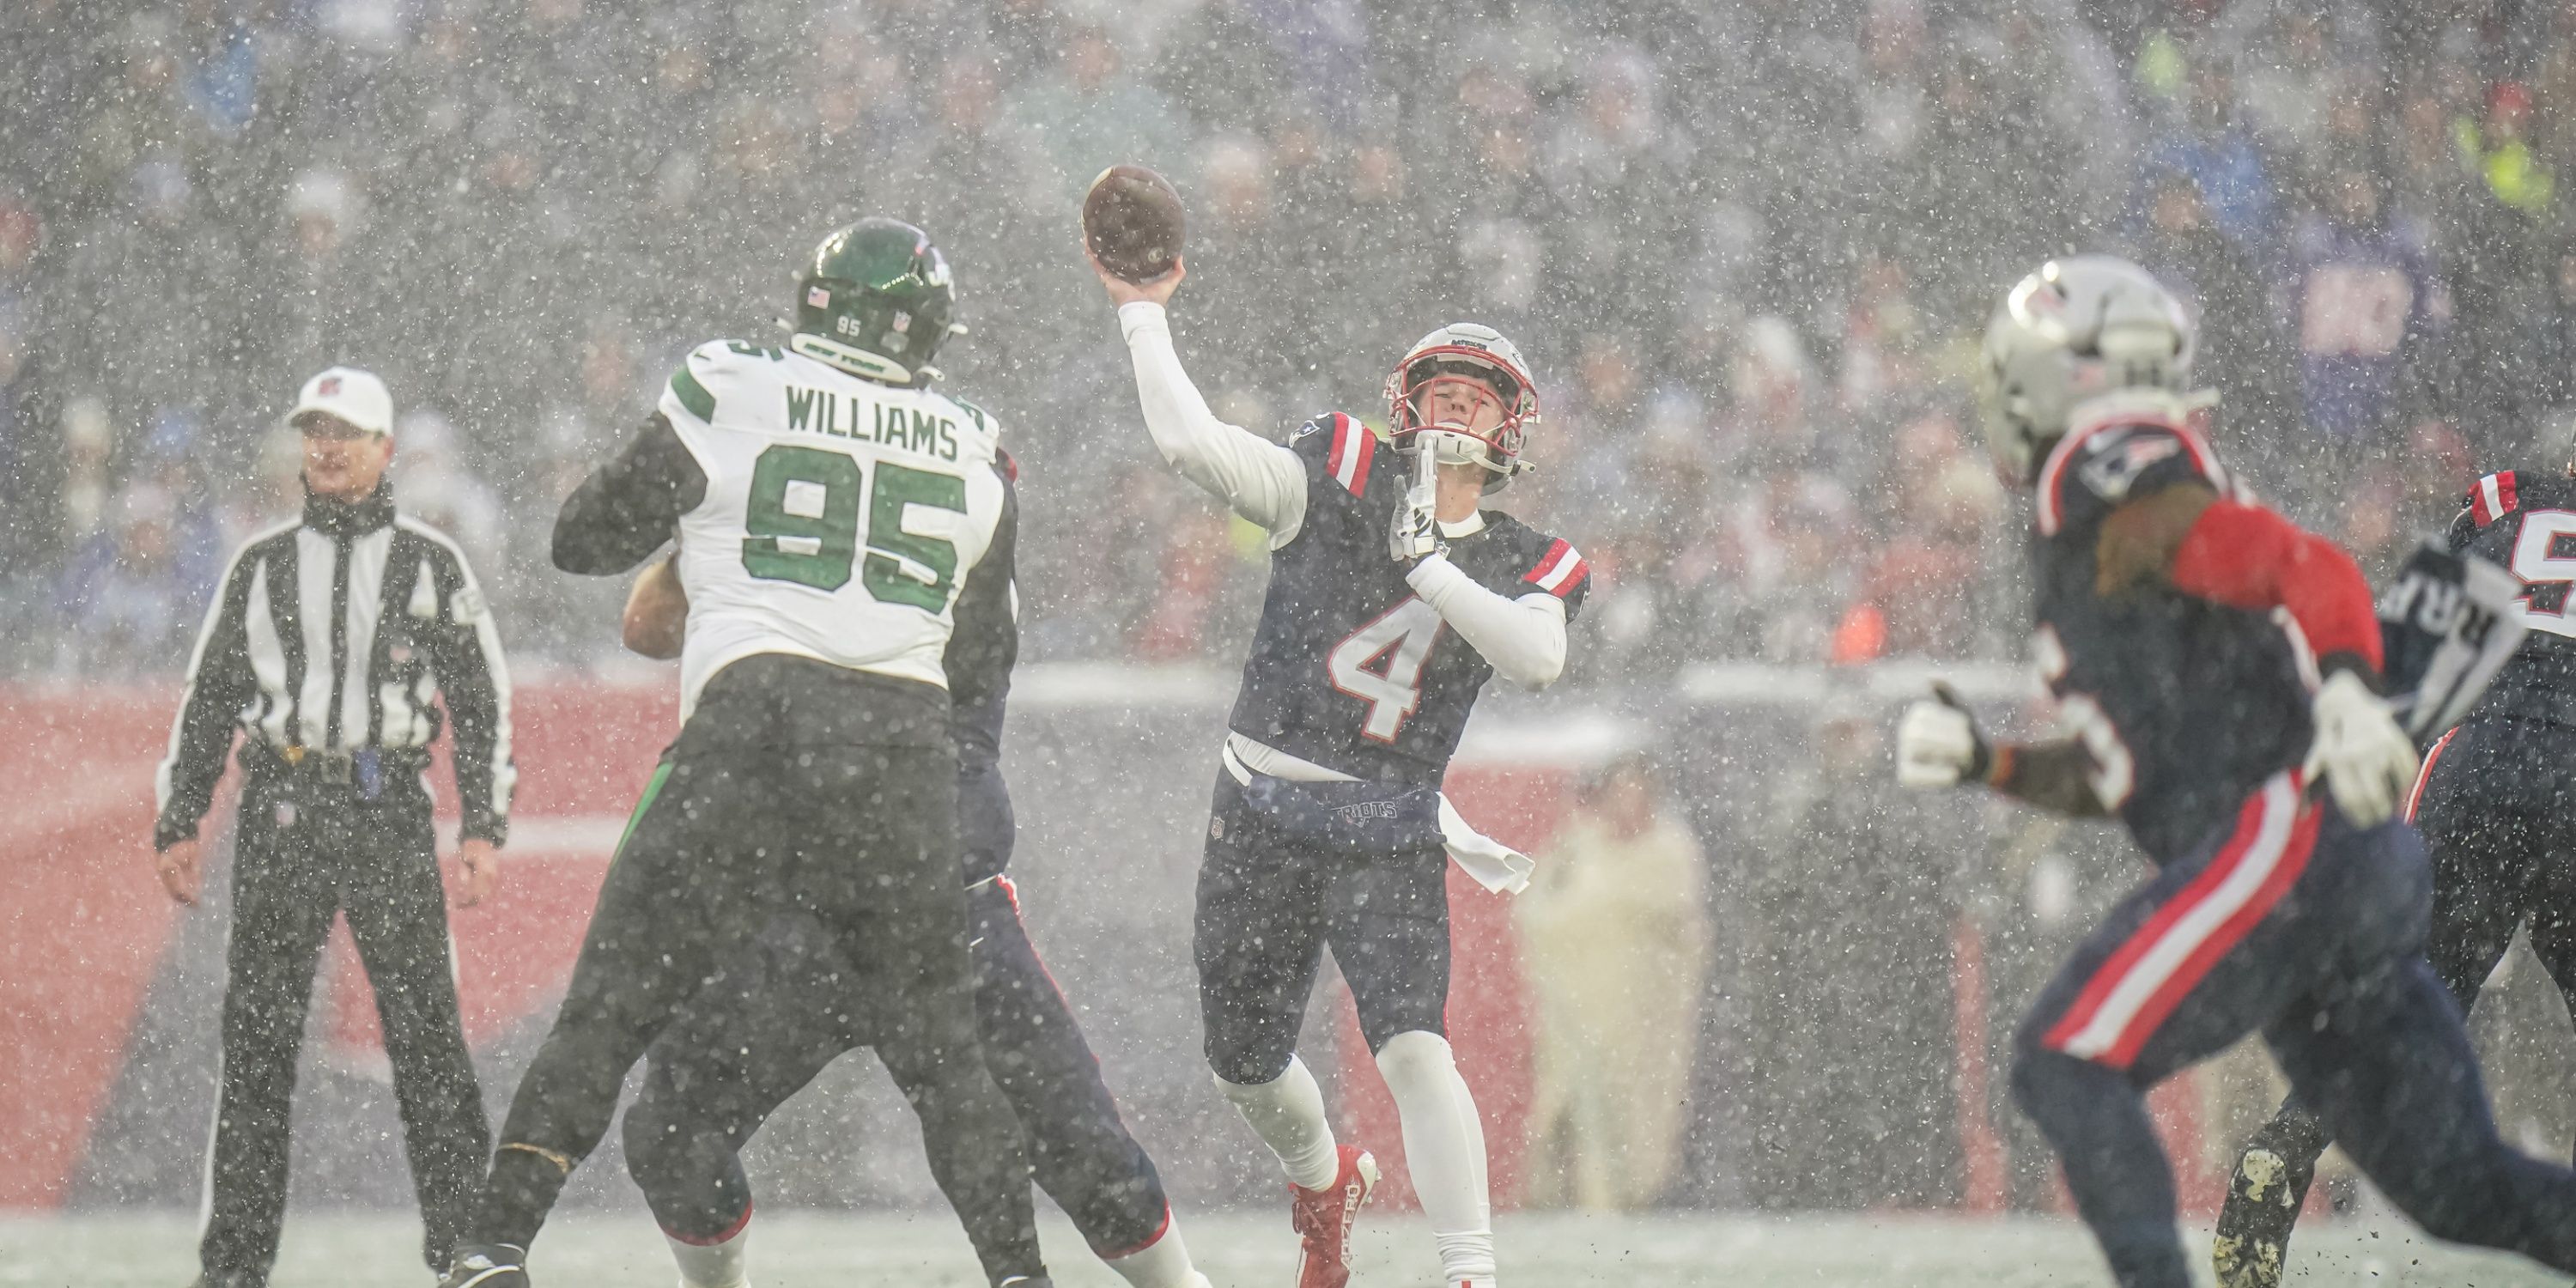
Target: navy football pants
<point x="757" y="1037"/>
<point x="2291" y="922"/>
<point x="2494" y="807"/>
<point x="1267" y="909"/>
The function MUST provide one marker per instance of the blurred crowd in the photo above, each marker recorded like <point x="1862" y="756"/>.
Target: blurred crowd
<point x="1749" y="247"/>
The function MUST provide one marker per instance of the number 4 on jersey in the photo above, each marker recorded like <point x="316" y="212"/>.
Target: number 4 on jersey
<point x="1402" y="638"/>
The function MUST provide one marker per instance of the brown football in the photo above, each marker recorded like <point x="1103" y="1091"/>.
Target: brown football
<point x="1132" y="221"/>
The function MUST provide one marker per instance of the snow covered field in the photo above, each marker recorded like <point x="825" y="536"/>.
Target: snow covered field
<point x="799" y="1250"/>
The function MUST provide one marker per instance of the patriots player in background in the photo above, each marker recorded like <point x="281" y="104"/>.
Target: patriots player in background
<point x="2491" y="803"/>
<point x="1392" y="598"/>
<point x="774" y="1023"/>
<point x="816" y="754"/>
<point x="2216" y="663"/>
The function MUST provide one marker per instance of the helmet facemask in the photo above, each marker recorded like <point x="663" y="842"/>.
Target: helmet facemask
<point x="1489" y="436"/>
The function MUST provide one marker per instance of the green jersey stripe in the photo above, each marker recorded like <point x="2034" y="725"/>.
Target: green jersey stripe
<point x="693" y="395"/>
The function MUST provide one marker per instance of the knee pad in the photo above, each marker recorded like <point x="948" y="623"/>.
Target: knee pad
<point x="1244" y="1068"/>
<point x="1412" y="1056"/>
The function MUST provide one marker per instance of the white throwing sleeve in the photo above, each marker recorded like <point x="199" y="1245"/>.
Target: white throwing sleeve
<point x="1523" y="638"/>
<point x="1256" y="478"/>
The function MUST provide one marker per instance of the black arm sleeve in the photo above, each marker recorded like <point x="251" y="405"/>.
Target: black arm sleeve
<point x="474" y="682"/>
<point x="985" y="644"/>
<point x="626" y="509"/>
<point x="981" y="650"/>
<point x="219" y="684"/>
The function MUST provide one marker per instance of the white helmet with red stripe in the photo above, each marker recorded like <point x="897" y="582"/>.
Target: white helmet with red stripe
<point x="2080" y="327"/>
<point x="1479" y="355"/>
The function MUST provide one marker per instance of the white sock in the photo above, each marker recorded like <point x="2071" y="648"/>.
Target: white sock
<point x="713" y="1265"/>
<point x="1287" y="1113"/>
<point x="1164" y="1263"/>
<point x="1444" y="1150"/>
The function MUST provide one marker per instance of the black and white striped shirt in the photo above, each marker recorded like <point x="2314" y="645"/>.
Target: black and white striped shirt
<point x="329" y="634"/>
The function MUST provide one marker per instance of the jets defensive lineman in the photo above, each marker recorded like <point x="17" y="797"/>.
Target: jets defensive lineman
<point x="833" y="514"/>
<point x="1393" y="597"/>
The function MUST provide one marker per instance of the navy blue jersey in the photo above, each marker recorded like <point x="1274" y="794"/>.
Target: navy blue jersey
<point x="1349" y="669"/>
<point x="2526" y="521"/>
<point x="2186" y="705"/>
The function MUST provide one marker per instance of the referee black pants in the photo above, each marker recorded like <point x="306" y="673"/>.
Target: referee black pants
<point x="304" y="853"/>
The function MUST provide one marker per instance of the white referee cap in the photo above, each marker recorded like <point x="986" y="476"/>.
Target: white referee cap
<point x="355" y="396"/>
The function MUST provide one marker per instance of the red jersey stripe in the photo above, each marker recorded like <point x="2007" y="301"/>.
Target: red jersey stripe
<point x="2138" y="987"/>
<point x="2415" y="798"/>
<point x="1558" y="571"/>
<point x="1354" y="449"/>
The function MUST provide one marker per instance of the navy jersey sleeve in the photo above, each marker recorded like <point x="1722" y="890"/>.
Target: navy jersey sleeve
<point x="2490" y="499"/>
<point x="2095" y="471"/>
<point x="1348" y="471"/>
<point x="1562" y="571"/>
<point x="2463" y="531"/>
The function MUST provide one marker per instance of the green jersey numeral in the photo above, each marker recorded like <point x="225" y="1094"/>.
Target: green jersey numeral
<point x="810" y="534"/>
<point x="898" y="488"/>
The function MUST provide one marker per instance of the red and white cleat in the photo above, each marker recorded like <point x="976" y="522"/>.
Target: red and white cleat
<point x="1324" y="1217"/>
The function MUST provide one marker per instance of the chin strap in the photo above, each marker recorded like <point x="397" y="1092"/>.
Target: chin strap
<point x="1457" y="447"/>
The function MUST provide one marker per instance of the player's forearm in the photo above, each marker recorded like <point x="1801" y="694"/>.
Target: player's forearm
<point x="1256" y="478"/>
<point x="1524" y="638"/>
<point x="2052" y="775"/>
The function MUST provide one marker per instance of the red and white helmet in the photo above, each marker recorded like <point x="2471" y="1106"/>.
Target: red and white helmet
<point x="1469" y="351"/>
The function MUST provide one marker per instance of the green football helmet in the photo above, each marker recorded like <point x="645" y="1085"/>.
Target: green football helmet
<point x="876" y="301"/>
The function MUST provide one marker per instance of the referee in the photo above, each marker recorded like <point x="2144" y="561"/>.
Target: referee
<point x="325" y="642"/>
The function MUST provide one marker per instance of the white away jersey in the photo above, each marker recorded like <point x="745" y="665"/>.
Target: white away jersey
<point x="841" y="515"/>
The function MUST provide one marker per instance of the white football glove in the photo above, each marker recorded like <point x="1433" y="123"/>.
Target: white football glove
<point x="1938" y="743"/>
<point x="1416" y="530"/>
<point x="2365" y="758"/>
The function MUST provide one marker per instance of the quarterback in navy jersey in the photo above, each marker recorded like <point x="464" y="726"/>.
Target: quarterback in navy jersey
<point x="2218" y="666"/>
<point x="1394" y="596"/>
<point x="2492" y="806"/>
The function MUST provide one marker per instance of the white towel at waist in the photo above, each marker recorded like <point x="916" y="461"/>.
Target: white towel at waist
<point x="1492" y="864"/>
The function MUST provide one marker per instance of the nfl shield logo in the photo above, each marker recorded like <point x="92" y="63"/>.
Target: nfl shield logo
<point x="817" y="297"/>
<point x="329" y="388"/>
